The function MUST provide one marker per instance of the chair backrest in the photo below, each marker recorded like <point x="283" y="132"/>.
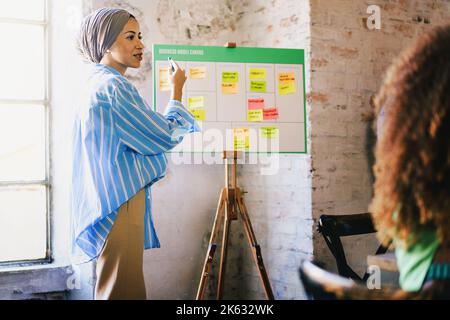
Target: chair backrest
<point x="332" y="227"/>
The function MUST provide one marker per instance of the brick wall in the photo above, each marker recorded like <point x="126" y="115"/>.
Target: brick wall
<point x="348" y="63"/>
<point x="280" y="205"/>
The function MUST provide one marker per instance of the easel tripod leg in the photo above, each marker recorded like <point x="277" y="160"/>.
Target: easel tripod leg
<point x="254" y="246"/>
<point x="223" y="256"/>
<point x="211" y="247"/>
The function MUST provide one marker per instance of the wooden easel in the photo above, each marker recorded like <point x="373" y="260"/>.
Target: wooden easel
<point x="230" y="204"/>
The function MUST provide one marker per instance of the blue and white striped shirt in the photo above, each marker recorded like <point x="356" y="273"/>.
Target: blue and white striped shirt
<point x="119" y="145"/>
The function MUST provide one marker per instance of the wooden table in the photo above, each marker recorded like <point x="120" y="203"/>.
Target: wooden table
<point x="386" y="261"/>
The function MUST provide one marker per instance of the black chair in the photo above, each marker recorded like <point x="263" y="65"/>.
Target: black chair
<point x="332" y="227"/>
<point x="320" y="284"/>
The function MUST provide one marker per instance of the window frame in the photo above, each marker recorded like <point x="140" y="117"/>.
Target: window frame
<point x="46" y="103"/>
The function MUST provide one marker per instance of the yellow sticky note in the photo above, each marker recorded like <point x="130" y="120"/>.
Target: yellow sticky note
<point x="241" y="139"/>
<point x="197" y="73"/>
<point x="258" y="86"/>
<point x="258" y="73"/>
<point x="255" y="115"/>
<point x="286" y="77"/>
<point x="164" y="84"/>
<point x="287" y="88"/>
<point x="229" y="88"/>
<point x="198" y="113"/>
<point x="270" y="132"/>
<point x="196" y="102"/>
<point x="230" y="77"/>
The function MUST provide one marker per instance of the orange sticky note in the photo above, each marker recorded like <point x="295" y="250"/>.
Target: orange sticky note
<point x="164" y="84"/>
<point x="197" y="73"/>
<point x="286" y="77"/>
<point x="229" y="88"/>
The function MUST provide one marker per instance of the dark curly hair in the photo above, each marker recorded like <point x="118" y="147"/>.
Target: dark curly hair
<point x="412" y="169"/>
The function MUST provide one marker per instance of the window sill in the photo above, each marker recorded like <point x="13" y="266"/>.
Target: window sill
<point x="22" y="283"/>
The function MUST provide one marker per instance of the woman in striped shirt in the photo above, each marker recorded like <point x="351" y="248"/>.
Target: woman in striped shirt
<point x="119" y="146"/>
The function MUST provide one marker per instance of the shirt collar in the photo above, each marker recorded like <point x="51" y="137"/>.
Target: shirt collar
<point x="107" y="68"/>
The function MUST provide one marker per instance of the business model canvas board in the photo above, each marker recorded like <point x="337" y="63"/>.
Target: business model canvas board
<point x="246" y="99"/>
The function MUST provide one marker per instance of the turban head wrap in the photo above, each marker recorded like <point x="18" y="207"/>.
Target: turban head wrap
<point x="99" y="30"/>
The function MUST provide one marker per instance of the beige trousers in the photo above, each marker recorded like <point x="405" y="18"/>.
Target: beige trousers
<point x="119" y="265"/>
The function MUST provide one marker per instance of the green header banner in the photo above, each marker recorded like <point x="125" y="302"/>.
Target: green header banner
<point x="223" y="54"/>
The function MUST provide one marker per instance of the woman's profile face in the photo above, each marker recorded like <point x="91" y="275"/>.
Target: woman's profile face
<point x="127" y="51"/>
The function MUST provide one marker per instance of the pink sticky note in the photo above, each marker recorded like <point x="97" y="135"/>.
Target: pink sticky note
<point x="255" y="104"/>
<point x="271" y="113"/>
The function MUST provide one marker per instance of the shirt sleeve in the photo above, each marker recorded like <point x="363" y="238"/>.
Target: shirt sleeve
<point x="143" y="130"/>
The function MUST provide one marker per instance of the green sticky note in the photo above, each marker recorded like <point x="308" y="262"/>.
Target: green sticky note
<point x="258" y="73"/>
<point x="270" y="132"/>
<point x="258" y="86"/>
<point x="230" y="77"/>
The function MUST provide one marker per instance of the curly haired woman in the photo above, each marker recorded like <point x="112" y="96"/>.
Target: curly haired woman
<point x="411" y="203"/>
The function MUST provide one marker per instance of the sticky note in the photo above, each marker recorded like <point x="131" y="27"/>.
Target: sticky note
<point x="271" y="113"/>
<point x="255" y="104"/>
<point x="257" y="86"/>
<point x="286" y="77"/>
<point x="197" y="73"/>
<point x="229" y="88"/>
<point x="286" y="83"/>
<point x="164" y="84"/>
<point x="255" y="115"/>
<point x="241" y="139"/>
<point x="258" y="74"/>
<point x="198" y="113"/>
<point x="287" y="88"/>
<point x="230" y="77"/>
<point x="196" y="102"/>
<point x="270" y="132"/>
<point x="164" y="72"/>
